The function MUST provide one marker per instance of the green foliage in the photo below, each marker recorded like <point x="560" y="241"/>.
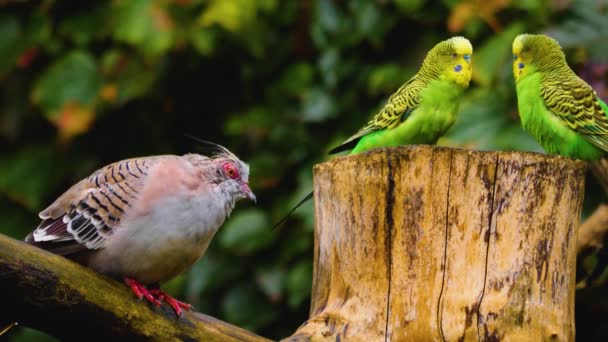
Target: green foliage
<point x="246" y="307"/>
<point x="21" y="178"/>
<point x="587" y="26"/>
<point x="279" y="83"/>
<point x="72" y="78"/>
<point x="246" y="233"/>
<point x="144" y="24"/>
<point x="298" y="283"/>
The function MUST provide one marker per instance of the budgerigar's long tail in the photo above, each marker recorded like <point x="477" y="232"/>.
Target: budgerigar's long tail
<point x="309" y="196"/>
<point x="4" y="327"/>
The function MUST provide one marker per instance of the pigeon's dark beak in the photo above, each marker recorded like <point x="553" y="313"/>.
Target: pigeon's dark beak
<point x="247" y="191"/>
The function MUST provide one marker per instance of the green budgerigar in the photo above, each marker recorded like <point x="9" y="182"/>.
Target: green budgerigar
<point x="559" y="109"/>
<point x="425" y="106"/>
<point x="422" y="109"/>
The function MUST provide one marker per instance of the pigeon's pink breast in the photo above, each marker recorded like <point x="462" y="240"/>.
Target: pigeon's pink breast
<point x="170" y="177"/>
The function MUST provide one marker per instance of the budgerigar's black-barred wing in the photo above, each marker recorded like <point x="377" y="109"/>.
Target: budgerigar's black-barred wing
<point x="397" y="109"/>
<point x="85" y="215"/>
<point x="578" y="106"/>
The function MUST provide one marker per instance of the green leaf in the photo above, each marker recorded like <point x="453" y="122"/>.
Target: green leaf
<point x="587" y="26"/>
<point x="272" y="281"/>
<point x="30" y="175"/>
<point x="329" y="64"/>
<point x="15" y="221"/>
<point x="143" y="23"/>
<point x="174" y="286"/>
<point x="71" y="79"/>
<point x="494" y="54"/>
<point x="370" y="22"/>
<point x="82" y="29"/>
<point x="9" y="36"/>
<point x="529" y="5"/>
<point x="297" y="79"/>
<point x="480" y="119"/>
<point x="232" y="15"/>
<point x="204" y="40"/>
<point x="318" y="106"/>
<point x="254" y="123"/>
<point x="246" y="307"/>
<point x="589" y="263"/>
<point x="209" y="272"/>
<point x="67" y="92"/>
<point x="409" y="6"/>
<point x="268" y="169"/>
<point x="297" y="243"/>
<point x="16" y="38"/>
<point x="299" y="283"/>
<point x="246" y="232"/>
<point x="327" y="15"/>
<point x="387" y="78"/>
<point x="129" y="75"/>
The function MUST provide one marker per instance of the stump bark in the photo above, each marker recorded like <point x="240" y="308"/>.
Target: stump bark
<point x="427" y="243"/>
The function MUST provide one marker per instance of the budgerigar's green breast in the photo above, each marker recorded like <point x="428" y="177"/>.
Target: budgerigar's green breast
<point x="549" y="130"/>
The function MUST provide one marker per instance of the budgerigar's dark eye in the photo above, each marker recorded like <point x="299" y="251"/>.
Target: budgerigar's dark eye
<point x="454" y="55"/>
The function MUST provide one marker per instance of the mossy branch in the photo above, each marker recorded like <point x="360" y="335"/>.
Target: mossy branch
<point x="57" y="296"/>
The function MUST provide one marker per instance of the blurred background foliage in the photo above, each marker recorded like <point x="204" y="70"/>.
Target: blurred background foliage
<point x="278" y="82"/>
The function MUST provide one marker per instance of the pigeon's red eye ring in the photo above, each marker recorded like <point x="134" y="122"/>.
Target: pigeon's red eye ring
<point x="231" y="171"/>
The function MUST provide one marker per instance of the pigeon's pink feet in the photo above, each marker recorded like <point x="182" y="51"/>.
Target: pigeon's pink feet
<point x="174" y="303"/>
<point x="157" y="296"/>
<point x="141" y="291"/>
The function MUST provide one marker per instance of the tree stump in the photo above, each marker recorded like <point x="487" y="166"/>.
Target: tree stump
<point x="425" y="243"/>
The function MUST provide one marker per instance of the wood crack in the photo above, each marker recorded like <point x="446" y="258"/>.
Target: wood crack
<point x="489" y="232"/>
<point x="390" y="201"/>
<point x="445" y="251"/>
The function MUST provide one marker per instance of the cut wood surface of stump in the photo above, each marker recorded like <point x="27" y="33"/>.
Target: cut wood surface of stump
<point x="428" y="243"/>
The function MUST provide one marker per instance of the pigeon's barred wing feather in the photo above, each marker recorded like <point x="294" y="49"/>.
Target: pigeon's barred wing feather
<point x="577" y="105"/>
<point x="85" y="215"/>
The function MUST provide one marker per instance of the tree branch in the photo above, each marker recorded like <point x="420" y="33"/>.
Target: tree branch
<point x="57" y="296"/>
<point x="591" y="233"/>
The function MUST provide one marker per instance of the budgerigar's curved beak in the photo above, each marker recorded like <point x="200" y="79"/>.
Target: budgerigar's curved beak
<point x="247" y="191"/>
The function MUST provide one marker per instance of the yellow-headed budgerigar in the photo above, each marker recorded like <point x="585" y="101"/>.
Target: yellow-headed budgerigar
<point x="423" y="108"/>
<point x="559" y="109"/>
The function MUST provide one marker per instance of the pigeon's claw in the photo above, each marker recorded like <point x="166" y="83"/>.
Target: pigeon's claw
<point x="141" y="291"/>
<point x="157" y="296"/>
<point x="175" y="304"/>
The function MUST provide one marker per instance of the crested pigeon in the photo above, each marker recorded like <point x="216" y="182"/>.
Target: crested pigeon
<point x="147" y="219"/>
